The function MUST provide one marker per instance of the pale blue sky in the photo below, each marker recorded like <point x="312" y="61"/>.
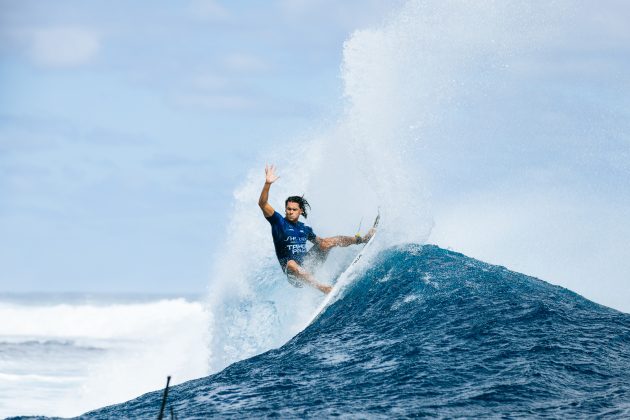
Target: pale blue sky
<point x="126" y="126"/>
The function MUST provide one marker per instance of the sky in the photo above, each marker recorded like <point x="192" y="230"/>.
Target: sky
<point x="126" y="128"/>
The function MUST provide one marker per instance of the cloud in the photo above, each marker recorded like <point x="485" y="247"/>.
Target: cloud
<point x="210" y="82"/>
<point x="243" y="103"/>
<point x="347" y="15"/>
<point x="244" y="63"/>
<point x="63" y="46"/>
<point x="217" y="102"/>
<point x="210" y="10"/>
<point x="233" y="93"/>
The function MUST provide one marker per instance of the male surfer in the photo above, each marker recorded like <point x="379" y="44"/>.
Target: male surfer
<point x="290" y="235"/>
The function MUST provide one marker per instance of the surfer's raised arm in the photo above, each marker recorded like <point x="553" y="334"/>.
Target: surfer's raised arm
<point x="263" y="201"/>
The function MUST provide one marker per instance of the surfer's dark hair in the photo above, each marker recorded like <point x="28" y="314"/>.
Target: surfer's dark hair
<point x="301" y="201"/>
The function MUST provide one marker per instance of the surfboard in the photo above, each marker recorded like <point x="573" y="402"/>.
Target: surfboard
<point x="344" y="278"/>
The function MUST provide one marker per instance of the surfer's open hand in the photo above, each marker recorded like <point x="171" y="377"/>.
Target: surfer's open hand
<point x="270" y="176"/>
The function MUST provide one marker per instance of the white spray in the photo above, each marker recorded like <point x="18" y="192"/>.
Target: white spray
<point x="395" y="78"/>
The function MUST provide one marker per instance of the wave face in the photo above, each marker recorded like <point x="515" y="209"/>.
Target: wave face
<point x="428" y="332"/>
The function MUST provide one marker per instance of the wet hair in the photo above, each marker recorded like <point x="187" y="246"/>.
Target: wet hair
<point x="301" y="201"/>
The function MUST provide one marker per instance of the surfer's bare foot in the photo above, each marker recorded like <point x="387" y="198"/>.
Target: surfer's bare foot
<point x="325" y="289"/>
<point x="368" y="235"/>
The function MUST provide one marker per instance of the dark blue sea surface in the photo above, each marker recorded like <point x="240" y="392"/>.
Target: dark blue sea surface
<point x="427" y="332"/>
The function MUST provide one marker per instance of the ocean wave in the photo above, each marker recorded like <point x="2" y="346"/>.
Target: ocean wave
<point x="486" y="341"/>
<point x="98" y="321"/>
<point x="70" y="357"/>
<point x="34" y="378"/>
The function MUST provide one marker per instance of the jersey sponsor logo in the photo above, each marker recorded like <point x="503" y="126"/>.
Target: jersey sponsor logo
<point x="297" y="249"/>
<point x="295" y="239"/>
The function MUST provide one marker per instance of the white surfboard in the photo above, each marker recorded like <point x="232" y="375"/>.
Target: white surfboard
<point x="344" y="279"/>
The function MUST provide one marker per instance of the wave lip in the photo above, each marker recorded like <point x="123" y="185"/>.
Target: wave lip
<point x="428" y="332"/>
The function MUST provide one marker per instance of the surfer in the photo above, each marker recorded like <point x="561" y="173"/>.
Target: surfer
<point x="290" y="236"/>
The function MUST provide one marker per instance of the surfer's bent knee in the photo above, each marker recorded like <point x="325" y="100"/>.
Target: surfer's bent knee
<point x="293" y="267"/>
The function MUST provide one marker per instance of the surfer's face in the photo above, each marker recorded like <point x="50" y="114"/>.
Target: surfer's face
<point x="292" y="211"/>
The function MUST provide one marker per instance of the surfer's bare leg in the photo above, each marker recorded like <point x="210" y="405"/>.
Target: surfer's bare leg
<point x="326" y="244"/>
<point x="318" y="254"/>
<point x="295" y="269"/>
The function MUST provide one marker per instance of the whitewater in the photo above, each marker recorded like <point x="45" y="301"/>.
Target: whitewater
<point x="421" y="330"/>
<point x="63" y="354"/>
<point x="432" y="333"/>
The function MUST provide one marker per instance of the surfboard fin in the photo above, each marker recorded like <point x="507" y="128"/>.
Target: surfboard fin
<point x="378" y="218"/>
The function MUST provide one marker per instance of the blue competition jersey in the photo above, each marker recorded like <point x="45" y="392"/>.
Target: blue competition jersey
<point x="289" y="238"/>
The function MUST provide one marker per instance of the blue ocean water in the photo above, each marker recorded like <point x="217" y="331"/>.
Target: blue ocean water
<point x="62" y="354"/>
<point x="425" y="331"/>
